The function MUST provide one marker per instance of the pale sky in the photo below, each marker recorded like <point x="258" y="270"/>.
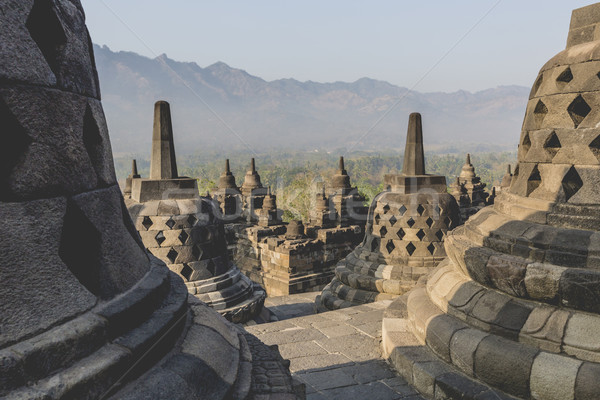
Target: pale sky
<point x="427" y="45"/>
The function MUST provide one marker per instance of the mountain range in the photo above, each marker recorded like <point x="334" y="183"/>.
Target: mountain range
<point x="220" y="108"/>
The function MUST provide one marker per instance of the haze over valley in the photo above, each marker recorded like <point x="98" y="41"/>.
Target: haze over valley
<point x="225" y="109"/>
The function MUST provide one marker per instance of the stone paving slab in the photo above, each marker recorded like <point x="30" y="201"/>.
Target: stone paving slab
<point x="336" y="354"/>
<point x="292" y="306"/>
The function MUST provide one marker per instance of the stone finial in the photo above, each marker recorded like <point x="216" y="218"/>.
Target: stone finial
<point x="468" y="162"/>
<point x="252" y="165"/>
<point x="162" y="163"/>
<point x="129" y="180"/>
<point x="414" y="158"/>
<point x="227" y="169"/>
<point x="507" y="178"/>
<point x="585" y="23"/>
<point x="134" y="169"/>
<point x="341" y="166"/>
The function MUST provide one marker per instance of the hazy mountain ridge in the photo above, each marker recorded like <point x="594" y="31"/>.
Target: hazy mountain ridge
<point x="287" y="113"/>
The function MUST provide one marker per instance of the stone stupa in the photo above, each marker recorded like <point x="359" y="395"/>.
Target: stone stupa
<point x="469" y="191"/>
<point x="85" y="311"/>
<point x="404" y="235"/>
<point x="184" y="230"/>
<point x="515" y="310"/>
<point x="229" y="196"/>
<point x="253" y="193"/>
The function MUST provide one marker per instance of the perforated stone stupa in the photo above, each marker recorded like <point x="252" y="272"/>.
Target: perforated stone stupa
<point x="85" y="311"/>
<point x="514" y="310"/>
<point x="404" y="233"/>
<point x="183" y="229"/>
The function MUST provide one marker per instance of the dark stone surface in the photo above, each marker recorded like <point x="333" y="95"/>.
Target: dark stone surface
<point x="83" y="308"/>
<point x="53" y="293"/>
<point x="580" y="289"/>
<point x="162" y="163"/>
<point x="47" y="43"/>
<point x="414" y="159"/>
<point x="57" y="161"/>
<point x="117" y="261"/>
<point x="455" y="386"/>
<point x="439" y="334"/>
<point x="587" y="384"/>
<point x="505" y="365"/>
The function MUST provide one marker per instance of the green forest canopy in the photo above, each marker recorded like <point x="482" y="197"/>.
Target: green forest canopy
<point x="295" y="177"/>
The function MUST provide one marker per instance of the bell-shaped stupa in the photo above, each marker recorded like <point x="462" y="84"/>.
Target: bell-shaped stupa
<point x="515" y="309"/>
<point x="85" y="311"/>
<point x="185" y="230"/>
<point x="404" y="233"/>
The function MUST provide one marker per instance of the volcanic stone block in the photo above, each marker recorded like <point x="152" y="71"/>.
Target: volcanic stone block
<point x="508" y="274"/>
<point x="56" y="293"/>
<point x="542" y="281"/>
<point x="57" y="160"/>
<point x="553" y="377"/>
<point x="463" y="345"/>
<point x="505" y="364"/>
<point x="587" y="384"/>
<point x="90" y="219"/>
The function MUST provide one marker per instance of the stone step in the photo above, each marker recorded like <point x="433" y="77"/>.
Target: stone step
<point x="124" y="359"/>
<point x="426" y="372"/>
<point x="229" y="296"/>
<point x="247" y="309"/>
<point x="118" y="319"/>
<point x="215" y="283"/>
<point x="337" y="295"/>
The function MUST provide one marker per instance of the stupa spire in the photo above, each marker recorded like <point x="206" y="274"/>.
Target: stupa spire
<point x="414" y="158"/>
<point x="162" y="163"/>
<point x="341" y="166"/>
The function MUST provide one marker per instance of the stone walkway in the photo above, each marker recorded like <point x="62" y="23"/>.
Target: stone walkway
<point x="292" y="306"/>
<point x="337" y="353"/>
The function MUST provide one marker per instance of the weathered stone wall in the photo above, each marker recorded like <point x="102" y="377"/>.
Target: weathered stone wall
<point x="286" y="266"/>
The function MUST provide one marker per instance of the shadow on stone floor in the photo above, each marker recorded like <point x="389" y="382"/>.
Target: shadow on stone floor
<point x="373" y="379"/>
<point x="287" y="311"/>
